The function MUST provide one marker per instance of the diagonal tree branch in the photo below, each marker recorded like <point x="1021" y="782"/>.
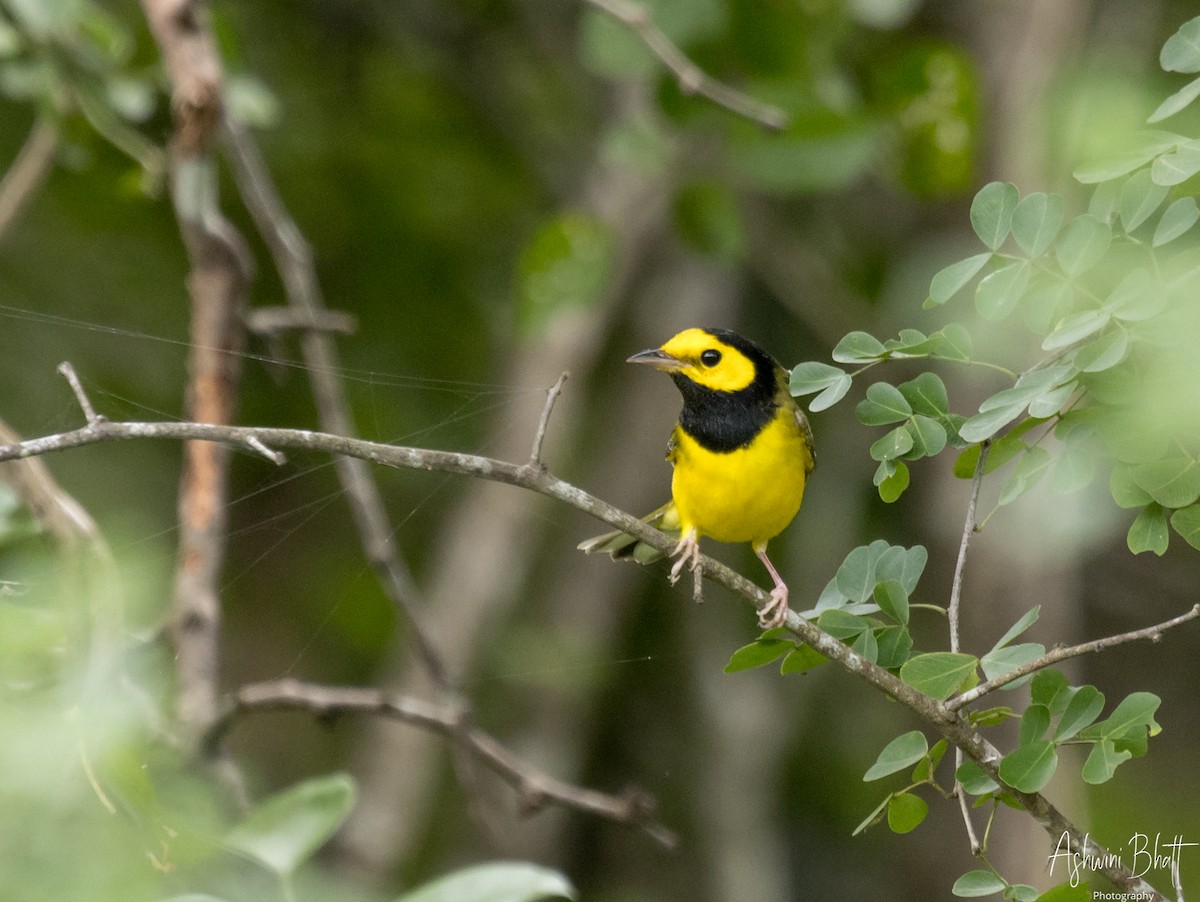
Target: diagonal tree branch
<point x="690" y="77"/>
<point x="294" y="261"/>
<point x="1149" y="633"/>
<point x="27" y="172"/>
<point x="949" y="723"/>
<point x="535" y="789"/>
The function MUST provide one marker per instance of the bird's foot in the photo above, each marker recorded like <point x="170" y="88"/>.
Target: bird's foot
<point x="686" y="554"/>
<point x="774" y="613"/>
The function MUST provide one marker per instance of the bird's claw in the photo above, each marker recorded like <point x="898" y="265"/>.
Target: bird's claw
<point x="686" y="554"/>
<point x="774" y="613"/>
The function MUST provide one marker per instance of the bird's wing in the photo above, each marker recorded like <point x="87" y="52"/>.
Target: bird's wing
<point x="806" y="433"/>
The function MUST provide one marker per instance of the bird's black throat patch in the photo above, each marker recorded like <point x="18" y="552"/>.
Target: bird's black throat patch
<point x="723" y="421"/>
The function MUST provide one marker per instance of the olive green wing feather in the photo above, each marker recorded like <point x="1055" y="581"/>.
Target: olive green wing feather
<point x="619" y="545"/>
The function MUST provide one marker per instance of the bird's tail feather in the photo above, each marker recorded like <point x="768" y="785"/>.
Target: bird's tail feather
<point x="619" y="545"/>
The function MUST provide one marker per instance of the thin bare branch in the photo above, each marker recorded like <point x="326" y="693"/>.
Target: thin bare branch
<point x="535" y="789"/>
<point x="952" y="616"/>
<point x="947" y="722"/>
<point x="220" y="270"/>
<point x="294" y="261"/>
<point x="27" y="172"/>
<point x="1062" y="653"/>
<point x="535" y="456"/>
<point x="961" y="562"/>
<point x="68" y="372"/>
<point x="690" y="77"/>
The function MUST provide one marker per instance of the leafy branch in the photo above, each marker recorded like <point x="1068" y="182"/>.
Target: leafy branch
<point x="951" y="724"/>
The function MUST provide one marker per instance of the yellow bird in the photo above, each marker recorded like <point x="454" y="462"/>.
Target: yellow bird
<point x="742" y="452"/>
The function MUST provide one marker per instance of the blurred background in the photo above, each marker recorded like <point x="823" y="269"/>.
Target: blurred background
<point x="500" y="192"/>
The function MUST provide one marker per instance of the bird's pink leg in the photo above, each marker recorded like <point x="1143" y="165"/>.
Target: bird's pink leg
<point x="775" y="612"/>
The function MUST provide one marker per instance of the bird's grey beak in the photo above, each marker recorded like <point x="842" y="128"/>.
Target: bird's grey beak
<point x="659" y="359"/>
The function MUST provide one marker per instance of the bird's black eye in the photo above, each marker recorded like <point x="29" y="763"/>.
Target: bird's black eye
<point x="711" y="357"/>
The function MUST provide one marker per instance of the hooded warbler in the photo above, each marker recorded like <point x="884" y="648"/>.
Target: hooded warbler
<point x="742" y="451"/>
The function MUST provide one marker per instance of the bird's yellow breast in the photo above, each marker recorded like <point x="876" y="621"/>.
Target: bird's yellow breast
<point x="749" y="494"/>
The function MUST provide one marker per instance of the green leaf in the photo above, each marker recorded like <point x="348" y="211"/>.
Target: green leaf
<point x="895" y="645"/>
<point x="928" y="435"/>
<point x="1034" y="724"/>
<point x="1135" y="710"/>
<point x="1142" y="147"/>
<point x="926" y="767"/>
<point x="874" y="816"/>
<point x="1102" y="761"/>
<point x="892" y="600"/>
<point x="895" y="444"/>
<point x="992" y="212"/>
<point x="1178" y="218"/>
<point x="926" y="395"/>
<point x="999" y="292"/>
<point x="1026" y="475"/>
<point x="950" y="280"/>
<point x="1172" y="481"/>
<point x="858" y="347"/>
<point x="1082" y="710"/>
<point x="1065" y="892"/>
<point x="902" y="752"/>
<point x="1046" y="686"/>
<point x="1029" y="767"/>
<point x="1186" y="522"/>
<point x="1043" y="303"/>
<point x="1137" y="297"/>
<point x="977" y="883"/>
<point x="801" y="660"/>
<point x="974" y="780"/>
<point x="1021" y="892"/>
<point x="842" y="624"/>
<point x="1135" y="740"/>
<point x="1075" y="328"/>
<point x="1149" y="531"/>
<point x="938" y="674"/>
<point x="1103" y="353"/>
<point x="1181" y="52"/>
<point x="1024" y="622"/>
<point x="1035" y="222"/>
<point x="912" y="343"/>
<point x="990" y="717"/>
<point x="884" y="404"/>
<point x="905" y="812"/>
<point x="855" y="578"/>
<point x="1082" y="244"/>
<point x="987" y="423"/>
<point x="956" y="342"/>
<point x="812" y="376"/>
<point x="1125" y="492"/>
<point x="501" y="881"/>
<point x="758" y="653"/>
<point x="905" y="565"/>
<point x="1140" y="197"/>
<point x="1000" y="661"/>
<point x="894" y="481"/>
<point x="1180" y="100"/>
<point x="866" y="645"/>
<point x="284" y="831"/>
<point x="1048" y="404"/>
<point x="1176" y="167"/>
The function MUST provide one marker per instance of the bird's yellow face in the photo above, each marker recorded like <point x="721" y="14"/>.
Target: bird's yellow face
<point x="703" y="358"/>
